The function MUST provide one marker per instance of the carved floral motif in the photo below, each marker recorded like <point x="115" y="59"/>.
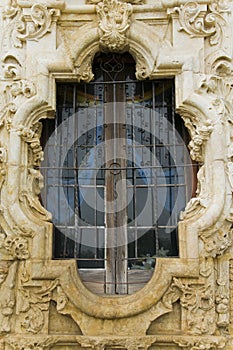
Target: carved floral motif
<point x="114" y="20"/>
<point x="197" y="26"/>
<point x="17" y="247"/>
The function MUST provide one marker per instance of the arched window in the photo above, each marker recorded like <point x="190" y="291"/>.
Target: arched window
<point x="117" y="174"/>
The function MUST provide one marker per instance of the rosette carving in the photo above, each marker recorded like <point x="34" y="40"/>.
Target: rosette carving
<point x="114" y="21"/>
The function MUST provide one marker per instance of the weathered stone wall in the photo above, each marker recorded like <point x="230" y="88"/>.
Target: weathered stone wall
<point x="187" y="303"/>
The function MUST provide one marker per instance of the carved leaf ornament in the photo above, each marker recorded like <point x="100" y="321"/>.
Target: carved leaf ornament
<point x="114" y="20"/>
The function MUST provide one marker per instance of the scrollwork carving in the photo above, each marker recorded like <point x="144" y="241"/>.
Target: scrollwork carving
<point x="21" y="87"/>
<point x="84" y="71"/>
<point x="33" y="305"/>
<point x="39" y="25"/>
<point x="114" y="20"/>
<point x="193" y="23"/>
<point x="32" y="137"/>
<point x="11" y="68"/>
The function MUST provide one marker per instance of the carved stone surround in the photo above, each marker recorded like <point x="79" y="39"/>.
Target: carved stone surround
<point x="188" y="302"/>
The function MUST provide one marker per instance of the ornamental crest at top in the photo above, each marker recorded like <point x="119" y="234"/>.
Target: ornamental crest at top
<point x="114" y="21"/>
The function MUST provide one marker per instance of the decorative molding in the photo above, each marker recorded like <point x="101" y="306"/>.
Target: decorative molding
<point x="222" y="300"/>
<point x="200" y="344"/>
<point x="23" y="343"/>
<point x="114" y="21"/>
<point x="128" y="343"/>
<point x="3" y="165"/>
<point x="7" y="300"/>
<point x="134" y="2"/>
<point x="197" y="25"/>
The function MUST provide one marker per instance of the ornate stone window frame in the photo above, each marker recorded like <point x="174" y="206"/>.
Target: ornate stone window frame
<point x="205" y="232"/>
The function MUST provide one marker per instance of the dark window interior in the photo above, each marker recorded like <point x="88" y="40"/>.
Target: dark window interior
<point x="117" y="174"/>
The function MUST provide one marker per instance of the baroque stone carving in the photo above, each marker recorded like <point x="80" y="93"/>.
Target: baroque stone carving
<point x="32" y="306"/>
<point x="222" y="304"/>
<point x="39" y="25"/>
<point x="7" y="301"/>
<point x="201" y="344"/>
<point x="114" y="19"/>
<point x="193" y="23"/>
<point x="17" y="247"/>
<point x="30" y="195"/>
<point x="198" y="300"/>
<point x="130" y="343"/>
<point x="6" y="115"/>
<point x="21" y="87"/>
<point x="30" y="344"/>
<point x="12" y="68"/>
<point x="136" y="2"/>
<point x="3" y="160"/>
<point x="32" y="137"/>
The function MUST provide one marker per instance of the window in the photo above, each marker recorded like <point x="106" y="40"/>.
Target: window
<point x="117" y="174"/>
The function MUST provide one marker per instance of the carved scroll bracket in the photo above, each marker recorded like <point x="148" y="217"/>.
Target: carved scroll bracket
<point x="32" y="26"/>
<point x="201" y="24"/>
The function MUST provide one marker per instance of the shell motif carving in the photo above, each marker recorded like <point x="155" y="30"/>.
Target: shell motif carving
<point x="114" y="20"/>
